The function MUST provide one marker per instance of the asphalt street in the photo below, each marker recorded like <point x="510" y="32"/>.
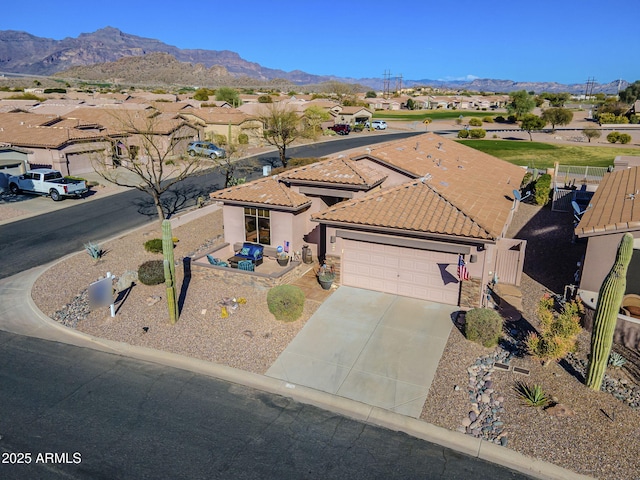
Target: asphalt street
<point x="76" y="413"/>
<point x="35" y="241"/>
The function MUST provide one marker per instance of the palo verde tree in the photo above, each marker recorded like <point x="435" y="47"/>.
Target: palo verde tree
<point x="557" y="116"/>
<point x="530" y="122"/>
<point x="149" y="152"/>
<point x="314" y="116"/>
<point x="229" y="95"/>
<point x="281" y="126"/>
<point x="631" y="93"/>
<point x="521" y="103"/>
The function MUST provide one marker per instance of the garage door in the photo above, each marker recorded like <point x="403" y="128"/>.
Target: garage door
<point x="423" y="274"/>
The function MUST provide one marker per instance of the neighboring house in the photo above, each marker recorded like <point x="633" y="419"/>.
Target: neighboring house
<point x="350" y="115"/>
<point x="72" y="143"/>
<point x="53" y="142"/>
<point x="395" y="219"/>
<point x="221" y="121"/>
<point x="614" y="210"/>
<point x="13" y="161"/>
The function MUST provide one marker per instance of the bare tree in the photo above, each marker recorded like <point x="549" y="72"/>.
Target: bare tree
<point x="149" y="153"/>
<point x="281" y="126"/>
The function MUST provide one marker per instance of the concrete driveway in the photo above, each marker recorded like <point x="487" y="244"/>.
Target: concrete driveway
<point x="376" y="348"/>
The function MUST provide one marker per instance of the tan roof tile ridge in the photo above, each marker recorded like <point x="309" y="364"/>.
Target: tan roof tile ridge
<point x="387" y="192"/>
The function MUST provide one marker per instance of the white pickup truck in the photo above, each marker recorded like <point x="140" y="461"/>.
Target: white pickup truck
<point x="45" y="181"/>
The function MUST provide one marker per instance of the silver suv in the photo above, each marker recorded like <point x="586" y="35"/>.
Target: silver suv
<point x="379" y="124"/>
<point x="206" y="149"/>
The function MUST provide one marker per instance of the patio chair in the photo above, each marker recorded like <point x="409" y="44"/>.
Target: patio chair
<point x="246" y="265"/>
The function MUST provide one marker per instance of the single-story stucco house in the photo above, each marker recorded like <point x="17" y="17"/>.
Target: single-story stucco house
<point x="395" y="218"/>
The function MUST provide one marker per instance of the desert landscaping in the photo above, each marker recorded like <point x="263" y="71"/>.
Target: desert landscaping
<point x="590" y="433"/>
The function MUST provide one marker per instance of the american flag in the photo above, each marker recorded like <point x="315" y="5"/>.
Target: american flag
<point x="463" y="274"/>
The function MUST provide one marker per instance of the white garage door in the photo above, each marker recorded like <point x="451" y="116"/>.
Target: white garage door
<point x="423" y="274"/>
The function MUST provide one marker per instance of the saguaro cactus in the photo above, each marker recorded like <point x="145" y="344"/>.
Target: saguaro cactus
<point x="169" y="271"/>
<point x="604" y="322"/>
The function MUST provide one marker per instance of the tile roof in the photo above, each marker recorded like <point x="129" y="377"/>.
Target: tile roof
<point x="217" y="115"/>
<point x="478" y="184"/>
<point x="615" y="205"/>
<point x="44" y="131"/>
<point x="339" y="171"/>
<point x="413" y="206"/>
<point x="267" y="191"/>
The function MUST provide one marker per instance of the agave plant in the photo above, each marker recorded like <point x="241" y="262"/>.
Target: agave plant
<point x="532" y="396"/>
<point x="616" y="360"/>
<point x="94" y="250"/>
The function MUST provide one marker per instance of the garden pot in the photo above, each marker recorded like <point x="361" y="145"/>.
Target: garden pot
<point x="326" y="285"/>
<point x="283" y="262"/>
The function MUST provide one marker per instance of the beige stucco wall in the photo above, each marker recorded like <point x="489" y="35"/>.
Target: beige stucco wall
<point x="285" y="226"/>
<point x="598" y="259"/>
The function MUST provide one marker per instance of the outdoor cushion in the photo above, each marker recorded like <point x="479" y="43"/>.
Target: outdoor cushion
<point x="216" y="261"/>
<point x="251" y="251"/>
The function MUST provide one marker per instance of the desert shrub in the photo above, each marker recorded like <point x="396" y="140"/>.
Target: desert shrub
<point x="634" y="119"/>
<point x="286" y="302"/>
<point x="624" y="138"/>
<point x="512" y="119"/>
<point x="500" y="119"/>
<point x="219" y="139"/>
<point x="463" y="134"/>
<point x="526" y="180"/>
<point x="475" y="122"/>
<point x="487" y="119"/>
<point x="151" y="272"/>
<point x="558" y="331"/>
<point x="613" y="137"/>
<point x="483" y="326"/>
<point x="542" y="189"/>
<point x="243" y="139"/>
<point x="477" y="133"/>
<point x="154" y="245"/>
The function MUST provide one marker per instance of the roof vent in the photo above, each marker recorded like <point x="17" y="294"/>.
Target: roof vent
<point x="426" y="178"/>
<point x="417" y="146"/>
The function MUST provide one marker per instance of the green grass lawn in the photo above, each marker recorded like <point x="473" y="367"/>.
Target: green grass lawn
<point x="543" y="155"/>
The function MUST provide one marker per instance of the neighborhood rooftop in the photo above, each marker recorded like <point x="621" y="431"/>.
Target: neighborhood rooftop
<point x="479" y="185"/>
<point x="614" y="206"/>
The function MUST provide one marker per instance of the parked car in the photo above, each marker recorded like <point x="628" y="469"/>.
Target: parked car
<point x="45" y="181"/>
<point x="379" y="125"/>
<point x="206" y="149"/>
<point x="341" y="128"/>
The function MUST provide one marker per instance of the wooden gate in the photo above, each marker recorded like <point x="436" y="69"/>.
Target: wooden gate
<point x="510" y="260"/>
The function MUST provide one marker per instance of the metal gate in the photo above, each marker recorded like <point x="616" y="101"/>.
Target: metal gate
<point x="510" y="260"/>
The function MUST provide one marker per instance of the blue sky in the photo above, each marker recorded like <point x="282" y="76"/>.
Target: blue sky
<point x="565" y="41"/>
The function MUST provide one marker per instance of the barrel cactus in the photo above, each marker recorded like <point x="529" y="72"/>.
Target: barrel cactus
<point x="169" y="271"/>
<point x="606" y="316"/>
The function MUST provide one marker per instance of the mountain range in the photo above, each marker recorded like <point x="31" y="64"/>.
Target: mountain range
<point x="109" y="54"/>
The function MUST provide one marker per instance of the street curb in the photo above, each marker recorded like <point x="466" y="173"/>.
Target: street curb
<point x="47" y="328"/>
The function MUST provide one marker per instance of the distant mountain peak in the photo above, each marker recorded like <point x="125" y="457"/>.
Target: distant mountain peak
<point x="21" y="52"/>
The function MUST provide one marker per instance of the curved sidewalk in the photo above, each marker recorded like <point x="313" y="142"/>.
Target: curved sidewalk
<point x="20" y="315"/>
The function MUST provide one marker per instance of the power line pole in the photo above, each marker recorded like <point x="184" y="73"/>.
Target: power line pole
<point x="386" y="83"/>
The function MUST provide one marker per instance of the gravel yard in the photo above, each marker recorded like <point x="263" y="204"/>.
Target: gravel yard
<point x="249" y="339"/>
<point x="595" y="434"/>
<point x="592" y="433"/>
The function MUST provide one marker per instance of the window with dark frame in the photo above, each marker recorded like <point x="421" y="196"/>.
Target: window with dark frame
<point x="257" y="225"/>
